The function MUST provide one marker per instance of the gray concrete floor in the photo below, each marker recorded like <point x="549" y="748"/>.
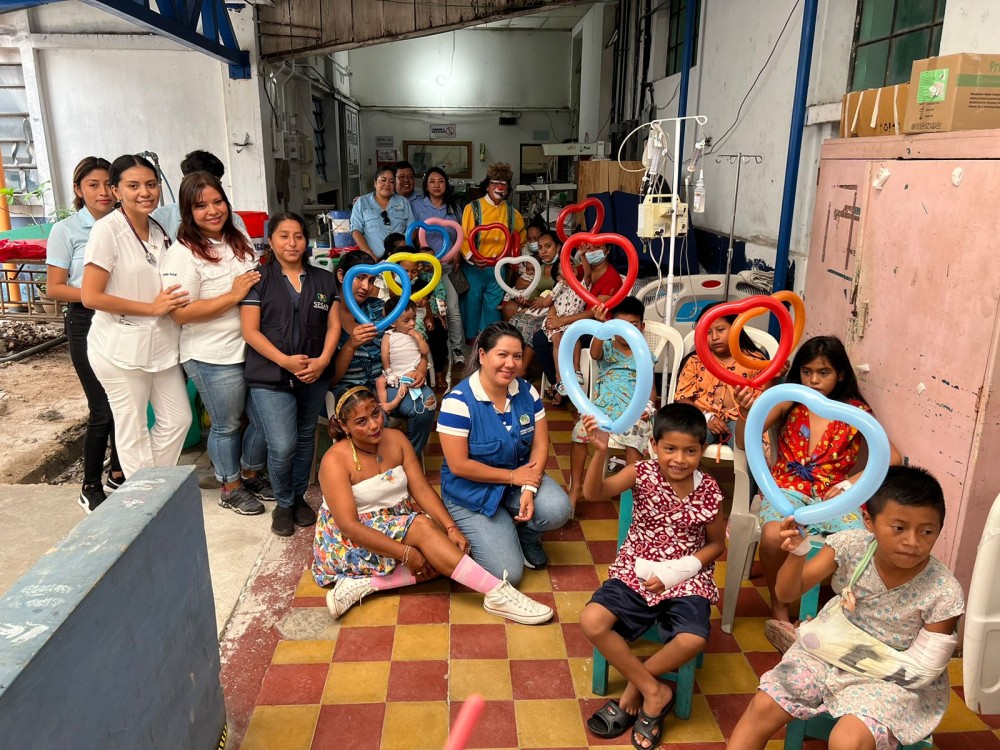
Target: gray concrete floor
<point x="35" y="517"/>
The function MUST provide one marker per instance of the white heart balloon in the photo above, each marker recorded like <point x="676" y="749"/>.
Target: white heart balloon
<point x="532" y="261"/>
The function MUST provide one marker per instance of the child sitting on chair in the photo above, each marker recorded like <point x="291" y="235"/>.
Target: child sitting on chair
<point x="402" y="349"/>
<point x="616" y="377"/>
<point x="663" y="571"/>
<point x="876" y="657"/>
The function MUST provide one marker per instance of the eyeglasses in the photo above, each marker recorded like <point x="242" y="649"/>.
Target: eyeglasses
<point x="385" y="218"/>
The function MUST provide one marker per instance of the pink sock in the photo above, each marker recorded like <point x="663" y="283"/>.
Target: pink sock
<point x="398" y="578"/>
<point x="470" y="573"/>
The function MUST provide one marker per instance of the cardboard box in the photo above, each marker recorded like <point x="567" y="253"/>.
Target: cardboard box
<point x="882" y="111"/>
<point x="850" y="113"/>
<point x="954" y="92"/>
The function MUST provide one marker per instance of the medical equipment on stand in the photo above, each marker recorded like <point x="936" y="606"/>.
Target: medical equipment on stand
<point x="739" y="159"/>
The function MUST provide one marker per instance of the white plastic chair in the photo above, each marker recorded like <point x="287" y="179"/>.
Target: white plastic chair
<point x="658" y="336"/>
<point x="321" y="421"/>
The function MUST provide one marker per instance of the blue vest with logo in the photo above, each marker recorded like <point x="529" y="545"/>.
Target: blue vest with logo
<point x="491" y="443"/>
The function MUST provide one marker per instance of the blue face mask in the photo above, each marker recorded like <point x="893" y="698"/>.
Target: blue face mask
<point x="594" y="257"/>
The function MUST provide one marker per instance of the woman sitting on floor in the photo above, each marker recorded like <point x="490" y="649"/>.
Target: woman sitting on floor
<point x="368" y="523"/>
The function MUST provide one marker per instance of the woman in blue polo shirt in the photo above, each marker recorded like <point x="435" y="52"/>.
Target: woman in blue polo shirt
<point x="64" y="257"/>
<point x="379" y="213"/>
<point x="496" y="443"/>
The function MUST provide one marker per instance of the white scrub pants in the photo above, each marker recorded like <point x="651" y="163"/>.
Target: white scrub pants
<point x="140" y="447"/>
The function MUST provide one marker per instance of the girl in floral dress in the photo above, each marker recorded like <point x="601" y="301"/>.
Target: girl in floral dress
<point x="817" y="459"/>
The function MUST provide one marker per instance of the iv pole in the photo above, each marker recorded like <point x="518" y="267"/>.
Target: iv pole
<point x="739" y="160"/>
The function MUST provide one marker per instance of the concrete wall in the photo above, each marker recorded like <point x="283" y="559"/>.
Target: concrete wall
<point x="485" y="72"/>
<point x="110" y="640"/>
<point x="970" y="26"/>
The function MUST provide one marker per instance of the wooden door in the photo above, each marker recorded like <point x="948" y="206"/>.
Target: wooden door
<point x="927" y="303"/>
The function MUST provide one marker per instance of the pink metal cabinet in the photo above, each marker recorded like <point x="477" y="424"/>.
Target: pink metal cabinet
<point x="920" y="312"/>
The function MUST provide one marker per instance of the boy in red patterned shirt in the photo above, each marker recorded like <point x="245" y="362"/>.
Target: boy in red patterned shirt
<point x="662" y="573"/>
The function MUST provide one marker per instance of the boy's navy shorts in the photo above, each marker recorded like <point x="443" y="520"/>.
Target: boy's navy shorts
<point x="685" y="614"/>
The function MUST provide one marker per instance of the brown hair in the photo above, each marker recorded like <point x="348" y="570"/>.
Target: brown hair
<point x="87" y="165"/>
<point x="190" y="235"/>
<point x="345" y="404"/>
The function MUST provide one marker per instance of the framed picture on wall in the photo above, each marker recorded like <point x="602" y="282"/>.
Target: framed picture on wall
<point x="454" y="157"/>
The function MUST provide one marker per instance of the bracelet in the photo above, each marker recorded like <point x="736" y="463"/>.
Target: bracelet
<point x="511" y="482"/>
<point x="529" y="488"/>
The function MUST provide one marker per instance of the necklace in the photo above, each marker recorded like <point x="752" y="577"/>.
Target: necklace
<point x="357" y="459"/>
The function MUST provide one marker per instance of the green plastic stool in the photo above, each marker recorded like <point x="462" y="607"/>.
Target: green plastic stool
<point x="194" y="432"/>
<point x="683" y="677"/>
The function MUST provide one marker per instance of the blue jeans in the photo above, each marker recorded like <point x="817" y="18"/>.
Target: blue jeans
<point x="480" y="305"/>
<point x="224" y="393"/>
<point x="713" y="439"/>
<point x="496" y="540"/>
<point x="419" y="419"/>
<point x="288" y="421"/>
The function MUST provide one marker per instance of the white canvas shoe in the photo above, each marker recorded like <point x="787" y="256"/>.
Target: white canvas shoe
<point x="346" y="593"/>
<point x="506" y="601"/>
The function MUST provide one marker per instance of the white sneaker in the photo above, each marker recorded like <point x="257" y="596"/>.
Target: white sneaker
<point x="346" y="593"/>
<point x="506" y="601"/>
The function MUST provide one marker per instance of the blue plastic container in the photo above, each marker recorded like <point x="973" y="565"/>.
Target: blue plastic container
<point x="342" y="236"/>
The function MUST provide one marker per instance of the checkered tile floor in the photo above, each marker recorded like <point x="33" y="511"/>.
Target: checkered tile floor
<point x="394" y="674"/>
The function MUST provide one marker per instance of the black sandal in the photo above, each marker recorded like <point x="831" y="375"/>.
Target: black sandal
<point x="645" y="725"/>
<point x="610" y="721"/>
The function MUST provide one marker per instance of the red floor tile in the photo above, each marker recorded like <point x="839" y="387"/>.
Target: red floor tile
<point x="574" y="578"/>
<point x="577" y="645"/>
<point x="478" y="642"/>
<point x="966" y="741"/>
<point x="541" y="678"/>
<point x="561" y="449"/>
<point x="602" y="509"/>
<point x="497" y="726"/>
<point x="762" y="661"/>
<point x="292" y="683"/>
<point x="727" y="710"/>
<point x="571" y="532"/>
<point x="364" y="644"/>
<point x="721" y="643"/>
<point x="421" y="609"/>
<point x="418" y="681"/>
<point x="352" y="727"/>
<point x="603" y="552"/>
<point x="588" y="707"/>
<point x="751" y="604"/>
<point x="548" y="600"/>
<point x="309" y="601"/>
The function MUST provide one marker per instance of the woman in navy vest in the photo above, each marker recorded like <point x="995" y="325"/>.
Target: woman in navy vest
<point x="496" y="443"/>
<point x="291" y="320"/>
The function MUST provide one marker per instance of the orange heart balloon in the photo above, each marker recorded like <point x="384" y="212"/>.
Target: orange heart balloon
<point x="799" y="324"/>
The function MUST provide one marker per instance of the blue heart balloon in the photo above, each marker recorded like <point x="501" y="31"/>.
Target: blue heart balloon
<point x="643" y="371"/>
<point x="375" y="269"/>
<point x="816" y="402"/>
<point x="411" y="235"/>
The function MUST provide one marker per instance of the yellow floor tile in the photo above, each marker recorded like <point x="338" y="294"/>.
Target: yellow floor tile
<point x="600" y="530"/>
<point x="420" y="642"/>
<point x="379" y="609"/>
<point x="488" y="677"/>
<point x="570" y="604"/>
<point x="582" y="671"/>
<point x="960" y="718"/>
<point x="534" y="581"/>
<point x="564" y="462"/>
<point x="303" y="652"/>
<point x="415" y="726"/>
<point x="281" y="728"/>
<point x="535" y="641"/>
<point x="357" y="682"/>
<point x="433" y="463"/>
<point x="955" y="675"/>
<point x="569" y="553"/>
<point x="557" y="476"/>
<point x="467" y="609"/>
<point x="726" y="673"/>
<point x="715" y="613"/>
<point x="701" y="727"/>
<point x="559" y="436"/>
<point x="749" y="634"/>
<point x="720" y="574"/>
<point x="602" y="572"/>
<point x="549" y="723"/>
<point x="307" y="586"/>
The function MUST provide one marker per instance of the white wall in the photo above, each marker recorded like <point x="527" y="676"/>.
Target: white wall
<point x="970" y="26"/>
<point x="487" y="71"/>
<point x="590" y="29"/>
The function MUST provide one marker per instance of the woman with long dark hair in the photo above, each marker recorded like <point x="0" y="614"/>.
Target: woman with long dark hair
<point x="64" y="258"/>
<point x="133" y="343"/>
<point x="215" y="264"/>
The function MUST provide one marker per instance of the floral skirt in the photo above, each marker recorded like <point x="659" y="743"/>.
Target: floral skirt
<point x="527" y="324"/>
<point x="850" y="520"/>
<point x="335" y="556"/>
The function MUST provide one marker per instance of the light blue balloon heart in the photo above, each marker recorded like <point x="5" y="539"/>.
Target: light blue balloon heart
<point x="415" y="226"/>
<point x="643" y="371"/>
<point x="816" y="402"/>
<point x="374" y="270"/>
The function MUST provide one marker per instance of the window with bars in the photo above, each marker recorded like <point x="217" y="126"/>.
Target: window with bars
<point x="675" y="34"/>
<point x="319" y="139"/>
<point x="889" y="36"/>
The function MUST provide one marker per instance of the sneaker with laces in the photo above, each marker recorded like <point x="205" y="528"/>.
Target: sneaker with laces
<point x="506" y="601"/>
<point x="457" y="357"/>
<point x="90" y="498"/>
<point x="534" y="555"/>
<point x="259" y="485"/>
<point x="302" y="514"/>
<point x="240" y="501"/>
<point x="346" y="593"/>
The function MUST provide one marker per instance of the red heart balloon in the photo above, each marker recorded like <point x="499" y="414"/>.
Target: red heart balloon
<point x="715" y="367"/>
<point x="566" y="266"/>
<point x="575" y="208"/>
<point x="509" y="239"/>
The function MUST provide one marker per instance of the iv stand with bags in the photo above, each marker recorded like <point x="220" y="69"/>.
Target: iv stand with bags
<point x="739" y="160"/>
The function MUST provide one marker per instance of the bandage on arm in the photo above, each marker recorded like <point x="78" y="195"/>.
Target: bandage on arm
<point x="670" y="572"/>
<point x="933" y="650"/>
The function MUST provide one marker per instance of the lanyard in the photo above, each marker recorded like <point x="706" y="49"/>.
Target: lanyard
<point x="150" y="258"/>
